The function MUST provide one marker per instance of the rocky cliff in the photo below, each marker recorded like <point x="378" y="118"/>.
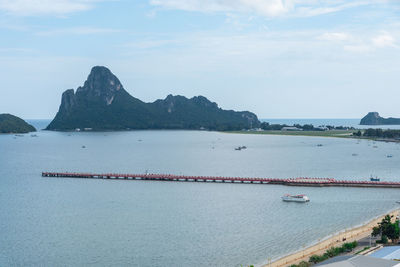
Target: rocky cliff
<point x="102" y="103"/>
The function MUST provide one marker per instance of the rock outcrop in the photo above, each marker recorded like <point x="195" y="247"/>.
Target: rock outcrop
<point x="373" y="118"/>
<point x="13" y="124"/>
<point x="102" y="103"/>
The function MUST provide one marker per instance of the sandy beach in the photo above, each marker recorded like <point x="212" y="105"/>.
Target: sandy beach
<point x="350" y="235"/>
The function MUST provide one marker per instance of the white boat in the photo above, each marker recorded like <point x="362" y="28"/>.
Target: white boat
<point x="295" y="198"/>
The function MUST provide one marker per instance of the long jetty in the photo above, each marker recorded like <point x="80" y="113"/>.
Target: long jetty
<point x="301" y="181"/>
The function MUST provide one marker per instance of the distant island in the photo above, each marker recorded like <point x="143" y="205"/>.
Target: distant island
<point x="373" y="118"/>
<point x="103" y="104"/>
<point x="12" y="124"/>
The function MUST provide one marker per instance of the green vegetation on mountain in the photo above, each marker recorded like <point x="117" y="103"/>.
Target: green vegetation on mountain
<point x="12" y="124"/>
<point x="103" y="104"/>
<point x="373" y="118"/>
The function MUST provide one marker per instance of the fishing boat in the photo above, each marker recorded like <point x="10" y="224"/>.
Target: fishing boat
<point x="295" y="198"/>
<point x="376" y="179"/>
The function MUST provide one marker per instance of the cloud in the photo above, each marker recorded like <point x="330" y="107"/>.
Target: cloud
<point x="384" y="40"/>
<point x="77" y="31"/>
<point x="361" y="48"/>
<point x="360" y="43"/>
<point x="269" y="8"/>
<point x="44" y="7"/>
<point x="334" y="36"/>
<point x="368" y="44"/>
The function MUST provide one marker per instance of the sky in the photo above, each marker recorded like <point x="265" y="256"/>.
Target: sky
<point x="276" y="58"/>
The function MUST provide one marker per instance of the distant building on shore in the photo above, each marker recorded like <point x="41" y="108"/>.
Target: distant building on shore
<point x="388" y="253"/>
<point x="291" y="128"/>
<point x="357" y="261"/>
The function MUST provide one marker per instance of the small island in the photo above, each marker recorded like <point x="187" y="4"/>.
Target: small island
<point x="102" y="103"/>
<point x="12" y="124"/>
<point x="373" y="118"/>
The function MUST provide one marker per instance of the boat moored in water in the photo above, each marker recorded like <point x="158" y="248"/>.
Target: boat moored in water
<point x="295" y="198"/>
<point x="376" y="179"/>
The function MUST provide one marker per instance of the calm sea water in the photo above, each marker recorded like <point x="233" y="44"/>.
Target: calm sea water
<point x="78" y="222"/>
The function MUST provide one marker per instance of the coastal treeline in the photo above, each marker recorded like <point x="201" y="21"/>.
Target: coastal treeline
<point x="379" y="133"/>
<point x="306" y="127"/>
<point x="387" y="229"/>
<point x="330" y="253"/>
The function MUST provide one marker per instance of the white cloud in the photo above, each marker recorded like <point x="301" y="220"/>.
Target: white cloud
<point x="334" y="36"/>
<point x="360" y="48"/>
<point x="77" y="31"/>
<point x="44" y="7"/>
<point x="384" y="40"/>
<point x="360" y="43"/>
<point x="315" y="8"/>
<point x="269" y="8"/>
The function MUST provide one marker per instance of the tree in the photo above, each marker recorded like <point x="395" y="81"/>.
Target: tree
<point x="386" y="229"/>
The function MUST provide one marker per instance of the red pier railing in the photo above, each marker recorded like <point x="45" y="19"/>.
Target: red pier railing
<point x="300" y="181"/>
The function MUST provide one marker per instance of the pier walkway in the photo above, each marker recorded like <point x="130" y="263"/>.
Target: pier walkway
<point x="301" y="181"/>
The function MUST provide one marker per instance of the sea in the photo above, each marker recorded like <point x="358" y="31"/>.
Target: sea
<point x="84" y="222"/>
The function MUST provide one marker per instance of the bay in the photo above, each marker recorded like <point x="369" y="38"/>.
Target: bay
<point x="78" y="222"/>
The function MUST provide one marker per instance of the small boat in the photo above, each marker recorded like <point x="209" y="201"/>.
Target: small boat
<point x="83" y="146"/>
<point x="319" y="145"/>
<point x="354" y="154"/>
<point x="240" y="147"/>
<point x="376" y="179"/>
<point x="389" y="156"/>
<point x="295" y="198"/>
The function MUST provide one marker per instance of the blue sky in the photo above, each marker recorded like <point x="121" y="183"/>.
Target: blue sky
<point x="277" y="58"/>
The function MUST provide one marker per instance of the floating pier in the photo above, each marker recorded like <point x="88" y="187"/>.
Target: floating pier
<point x="301" y="181"/>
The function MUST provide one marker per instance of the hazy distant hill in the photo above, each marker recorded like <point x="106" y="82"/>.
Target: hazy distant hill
<point x="373" y="118"/>
<point x="12" y="124"/>
<point x="103" y="104"/>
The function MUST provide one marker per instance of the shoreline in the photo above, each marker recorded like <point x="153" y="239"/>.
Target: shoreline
<point x="337" y="239"/>
<point x="333" y="134"/>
